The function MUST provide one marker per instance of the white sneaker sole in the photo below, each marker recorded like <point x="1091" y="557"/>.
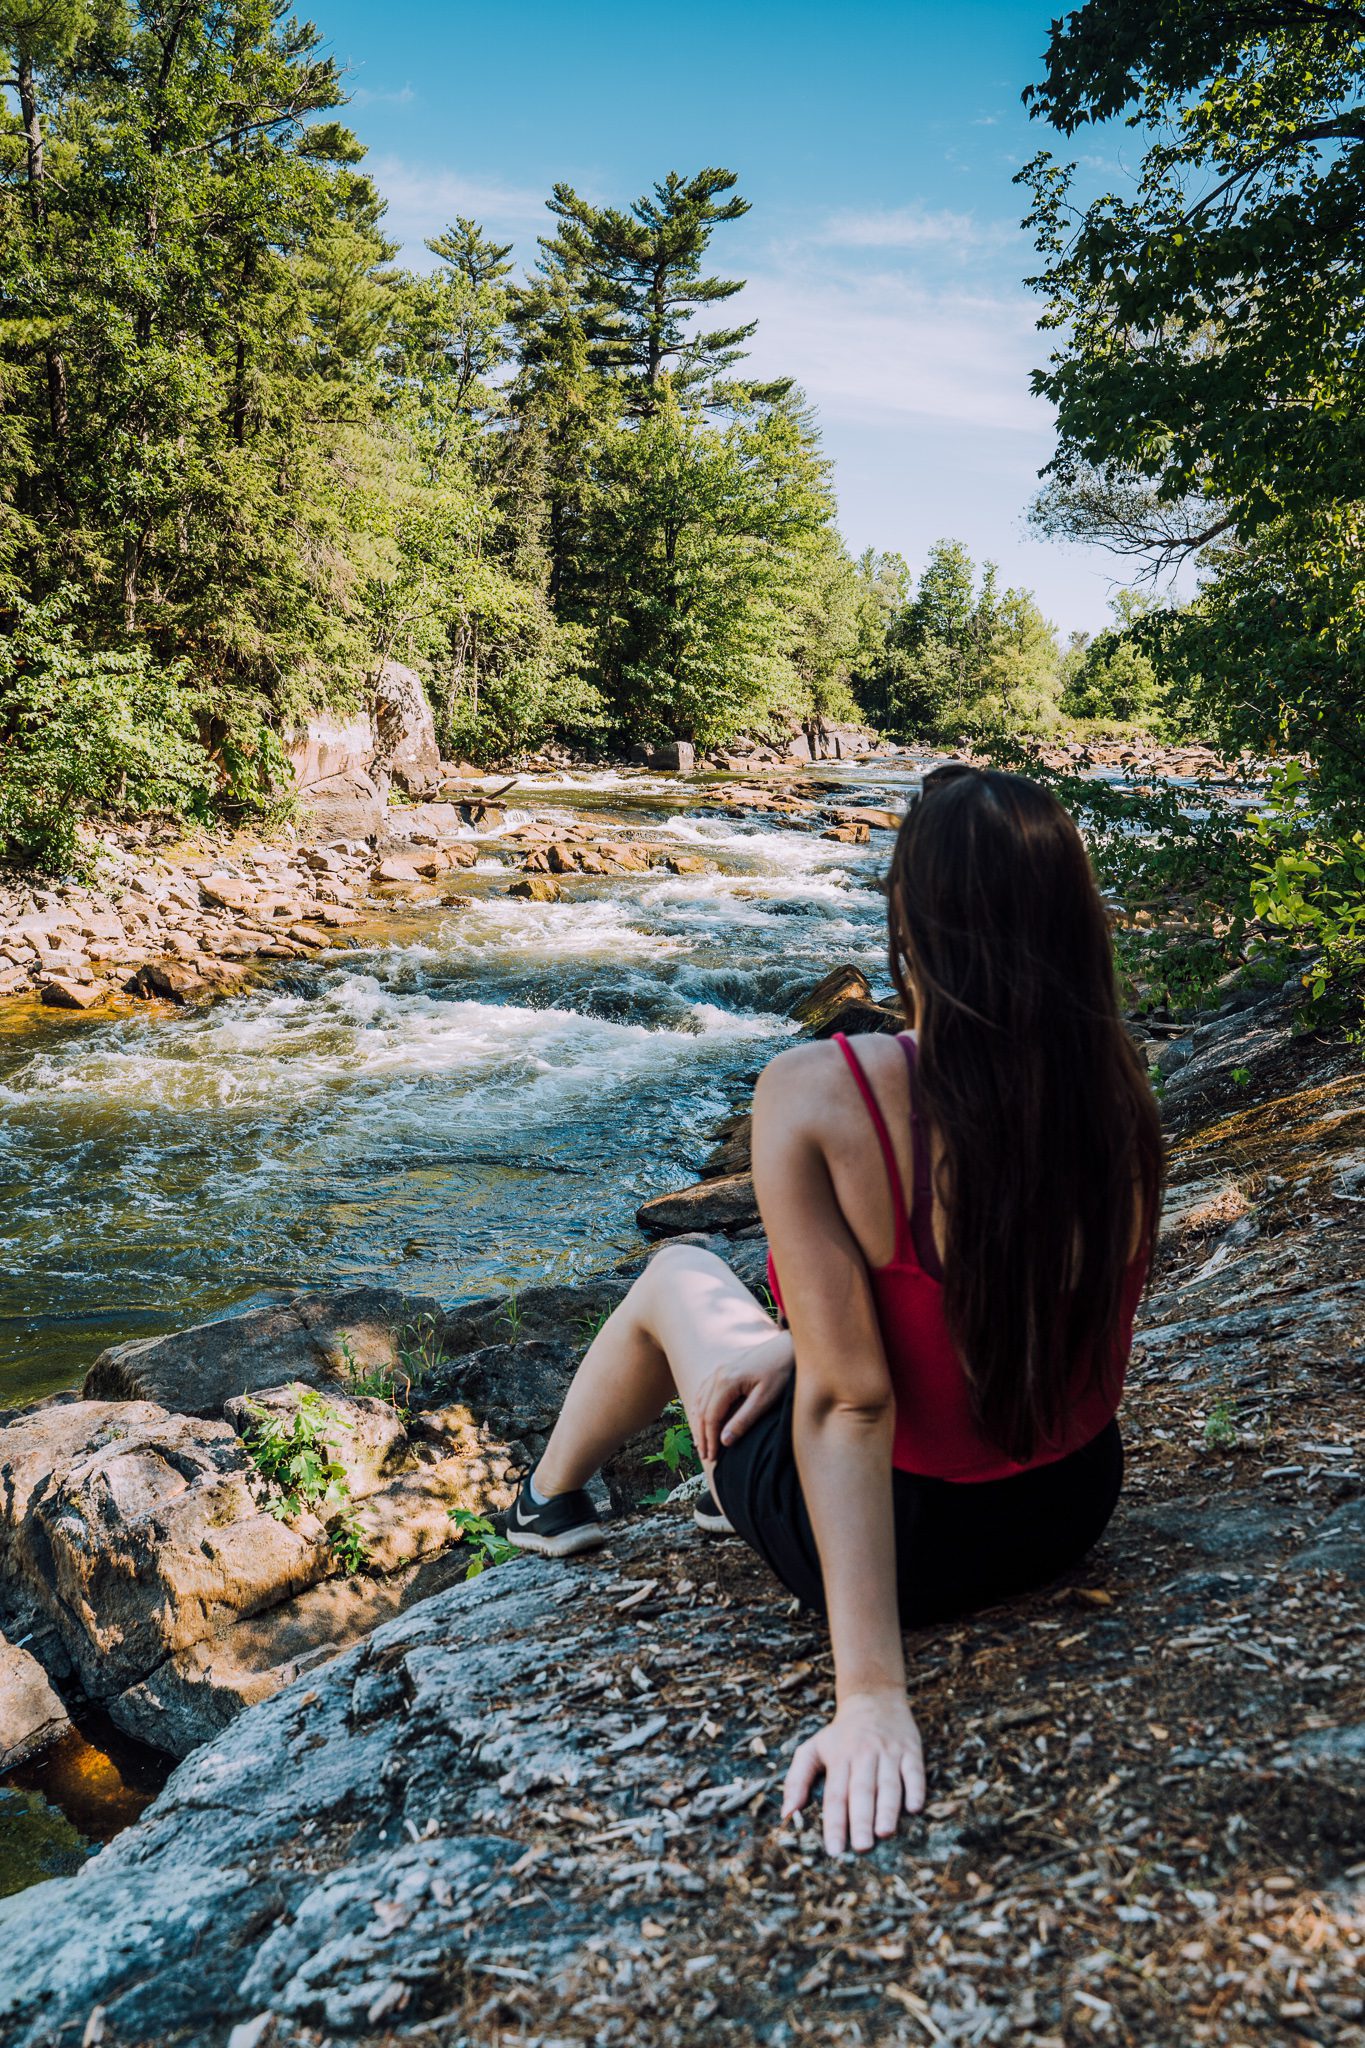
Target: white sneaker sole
<point x="713" y="1525"/>
<point x="569" y="1544"/>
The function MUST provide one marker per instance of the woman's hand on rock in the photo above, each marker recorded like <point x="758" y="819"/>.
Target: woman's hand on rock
<point x="738" y="1392"/>
<point x="873" y="1767"/>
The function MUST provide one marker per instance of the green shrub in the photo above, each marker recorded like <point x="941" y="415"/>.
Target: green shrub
<point x="483" y="1539"/>
<point x="89" y="734"/>
<point x="1309" y="886"/>
<point x="677" y="1455"/>
<point x="296" y="1454"/>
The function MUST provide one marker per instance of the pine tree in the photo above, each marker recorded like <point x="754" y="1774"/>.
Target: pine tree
<point x="645" y="265"/>
<point x="192" y="311"/>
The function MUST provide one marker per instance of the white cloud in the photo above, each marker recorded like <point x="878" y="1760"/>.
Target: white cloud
<point x="888" y="347"/>
<point x="421" y="202"/>
<point x="362" y="96"/>
<point x="903" y="227"/>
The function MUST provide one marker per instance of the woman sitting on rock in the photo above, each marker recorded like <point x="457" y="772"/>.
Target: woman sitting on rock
<point x="960" y="1221"/>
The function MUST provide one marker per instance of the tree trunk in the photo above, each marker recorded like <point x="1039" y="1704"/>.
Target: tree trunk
<point x="58" y="410"/>
<point x="33" y="135"/>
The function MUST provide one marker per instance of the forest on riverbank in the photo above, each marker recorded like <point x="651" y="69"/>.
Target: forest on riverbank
<point x="246" y="456"/>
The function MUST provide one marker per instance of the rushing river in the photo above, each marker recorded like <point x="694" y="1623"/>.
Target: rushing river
<point x="483" y="1098"/>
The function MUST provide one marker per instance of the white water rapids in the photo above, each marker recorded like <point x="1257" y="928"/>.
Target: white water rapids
<point x="482" y="1100"/>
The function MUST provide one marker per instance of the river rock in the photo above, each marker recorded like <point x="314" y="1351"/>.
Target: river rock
<point x="537" y="889"/>
<point x="405" y="731"/>
<point x="817" y="1006"/>
<point x="37" y="1443"/>
<point x="230" y="892"/>
<point x="396" y="868"/>
<point x="679" y="756"/>
<point x="61" y="993"/>
<point x="31" y="1715"/>
<point x="857" y="1018"/>
<point x="311" y="1337"/>
<point x="733" y="1151"/>
<point x="176" y="981"/>
<point x="155" y="1540"/>
<point x="339" y="783"/>
<point x="367" y="1438"/>
<point x="195" y="1694"/>
<point x="352" y="806"/>
<point x="726" y="1203"/>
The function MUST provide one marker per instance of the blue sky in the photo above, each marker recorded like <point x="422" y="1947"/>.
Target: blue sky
<point x="885" y="262"/>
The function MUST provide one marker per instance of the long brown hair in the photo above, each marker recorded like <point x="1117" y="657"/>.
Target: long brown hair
<point x="1046" y="1130"/>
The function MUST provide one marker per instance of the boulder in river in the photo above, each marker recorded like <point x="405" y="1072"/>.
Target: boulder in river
<point x="733" y="1148"/>
<point x="536" y="889"/>
<point x="31" y="1714"/>
<point x="396" y="868"/>
<point x="176" y="981"/>
<point x="841" y="985"/>
<point x="843" y="1001"/>
<point x="677" y="755"/>
<point x="727" y="1203"/>
<point x="63" y="992"/>
<point x="313" y="1337"/>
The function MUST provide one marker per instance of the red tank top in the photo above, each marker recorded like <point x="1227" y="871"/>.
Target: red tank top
<point x="935" y="1433"/>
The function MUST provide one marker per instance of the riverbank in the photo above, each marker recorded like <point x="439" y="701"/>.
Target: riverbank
<point x="544" y="1802"/>
<point x="181" y="918"/>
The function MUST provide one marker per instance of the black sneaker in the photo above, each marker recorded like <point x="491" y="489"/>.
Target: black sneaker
<point x="565" y="1525"/>
<point x="708" y="1514"/>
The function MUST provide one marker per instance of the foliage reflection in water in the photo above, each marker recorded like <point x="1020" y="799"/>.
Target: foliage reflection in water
<point x="56" y="1811"/>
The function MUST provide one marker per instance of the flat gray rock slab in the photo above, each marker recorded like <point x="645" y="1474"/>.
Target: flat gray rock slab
<point x="312" y="1337"/>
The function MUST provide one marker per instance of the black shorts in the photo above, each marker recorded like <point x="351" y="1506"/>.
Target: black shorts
<point x="959" y="1544"/>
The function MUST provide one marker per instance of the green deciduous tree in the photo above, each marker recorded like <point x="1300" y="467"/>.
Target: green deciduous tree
<point x="1112" y="676"/>
<point x="80" y="732"/>
<point x="700" y="540"/>
<point x="962" y="653"/>
<point x="1207" y="377"/>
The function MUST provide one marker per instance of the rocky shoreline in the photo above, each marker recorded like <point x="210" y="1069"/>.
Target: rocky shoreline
<point x="541" y="1804"/>
<point x="189" y="920"/>
<point x="183" y="918"/>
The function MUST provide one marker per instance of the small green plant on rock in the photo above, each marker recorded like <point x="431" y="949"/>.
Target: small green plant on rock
<point x="677" y="1454"/>
<point x="1220" y="1430"/>
<point x="379" y="1382"/>
<point x="420" y="1350"/>
<point x="297" y="1455"/>
<point x="590" y="1327"/>
<point x="348" y="1542"/>
<point x="483" y="1539"/>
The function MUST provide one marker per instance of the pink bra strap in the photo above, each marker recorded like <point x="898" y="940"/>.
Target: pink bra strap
<point x="893" y="1173"/>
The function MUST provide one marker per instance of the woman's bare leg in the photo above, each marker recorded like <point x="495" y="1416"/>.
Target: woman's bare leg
<point x="686" y="1315"/>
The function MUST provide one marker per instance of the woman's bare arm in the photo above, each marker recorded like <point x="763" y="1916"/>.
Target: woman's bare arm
<point x="843" y="1422"/>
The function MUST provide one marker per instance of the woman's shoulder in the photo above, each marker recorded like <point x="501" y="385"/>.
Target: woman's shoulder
<point x="807" y="1080"/>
